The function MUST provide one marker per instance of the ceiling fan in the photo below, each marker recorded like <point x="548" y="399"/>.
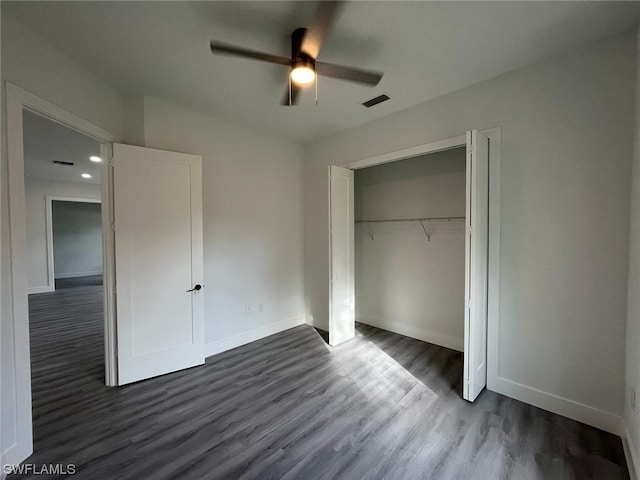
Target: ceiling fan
<point x="305" y="47"/>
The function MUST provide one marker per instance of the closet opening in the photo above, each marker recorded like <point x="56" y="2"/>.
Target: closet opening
<point x="409" y="248"/>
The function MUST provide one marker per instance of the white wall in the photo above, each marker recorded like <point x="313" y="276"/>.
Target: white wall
<point x="631" y="415"/>
<point x="36" y="191"/>
<point x="566" y="149"/>
<point x="77" y="239"/>
<point x="36" y="66"/>
<point x="404" y="282"/>
<point x="252" y="201"/>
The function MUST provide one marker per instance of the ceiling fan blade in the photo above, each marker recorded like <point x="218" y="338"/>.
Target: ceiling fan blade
<point x="324" y="18"/>
<point x="226" y="49"/>
<point x="295" y="90"/>
<point x="348" y="73"/>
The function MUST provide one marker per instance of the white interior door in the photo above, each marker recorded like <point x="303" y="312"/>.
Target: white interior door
<point x="157" y="199"/>
<point x="477" y="243"/>
<point x="342" y="321"/>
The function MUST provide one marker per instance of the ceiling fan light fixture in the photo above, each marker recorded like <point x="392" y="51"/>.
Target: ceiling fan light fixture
<point x="303" y="72"/>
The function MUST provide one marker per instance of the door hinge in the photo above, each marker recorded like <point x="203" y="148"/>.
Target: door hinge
<point x="112" y="225"/>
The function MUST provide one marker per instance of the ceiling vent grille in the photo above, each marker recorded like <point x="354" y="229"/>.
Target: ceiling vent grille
<point x="376" y="100"/>
<point x="66" y="164"/>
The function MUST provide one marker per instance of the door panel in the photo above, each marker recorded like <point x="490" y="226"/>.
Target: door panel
<point x="342" y="267"/>
<point x="158" y="255"/>
<point x="477" y="242"/>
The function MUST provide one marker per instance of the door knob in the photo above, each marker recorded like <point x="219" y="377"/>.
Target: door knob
<point x="196" y="288"/>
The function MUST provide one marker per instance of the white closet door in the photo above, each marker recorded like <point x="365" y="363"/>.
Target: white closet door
<point x="342" y="247"/>
<point x="477" y="242"/>
<point x="158" y="257"/>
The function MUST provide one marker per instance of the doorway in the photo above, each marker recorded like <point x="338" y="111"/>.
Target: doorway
<point x="21" y="108"/>
<point x="481" y="244"/>
<point x="74" y="230"/>
<point x="126" y="172"/>
<point x="64" y="231"/>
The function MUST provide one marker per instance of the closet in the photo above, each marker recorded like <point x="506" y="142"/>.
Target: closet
<point x="410" y="247"/>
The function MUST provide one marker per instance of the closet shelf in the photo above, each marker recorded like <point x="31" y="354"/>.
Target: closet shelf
<point x="426" y="219"/>
<point x="423" y="222"/>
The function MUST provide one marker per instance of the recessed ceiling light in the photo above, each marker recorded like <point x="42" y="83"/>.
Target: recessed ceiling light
<point x="86" y="175"/>
<point x="95" y="159"/>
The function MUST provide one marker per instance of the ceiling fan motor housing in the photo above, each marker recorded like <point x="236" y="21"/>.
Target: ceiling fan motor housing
<point x="296" y="43"/>
<point x="298" y="57"/>
<point x="303" y="65"/>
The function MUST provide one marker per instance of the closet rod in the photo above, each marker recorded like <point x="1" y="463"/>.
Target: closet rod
<point x="430" y="219"/>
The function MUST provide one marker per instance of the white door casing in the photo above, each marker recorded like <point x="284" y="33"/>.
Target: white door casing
<point x="15" y="379"/>
<point x="342" y="264"/>
<point x="476" y="263"/>
<point x="157" y="197"/>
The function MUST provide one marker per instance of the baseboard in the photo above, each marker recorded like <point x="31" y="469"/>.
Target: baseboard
<point x="44" y="289"/>
<point x="631" y="454"/>
<point x="580" y="412"/>
<point x="228" y="343"/>
<point x="15" y="455"/>
<point x="79" y="274"/>
<point x="415" y="332"/>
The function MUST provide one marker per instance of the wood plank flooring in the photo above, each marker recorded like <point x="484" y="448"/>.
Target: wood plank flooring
<point x="78" y="281"/>
<point x="381" y="406"/>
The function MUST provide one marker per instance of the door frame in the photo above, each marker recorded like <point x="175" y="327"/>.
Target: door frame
<point x="49" y="232"/>
<point x="17" y="100"/>
<point x="493" y="270"/>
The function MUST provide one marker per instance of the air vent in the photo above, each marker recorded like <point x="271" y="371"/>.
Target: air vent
<point x="66" y="164"/>
<point x="376" y="101"/>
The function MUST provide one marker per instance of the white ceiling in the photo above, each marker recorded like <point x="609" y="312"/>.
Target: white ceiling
<point x="46" y="141"/>
<point x="426" y="49"/>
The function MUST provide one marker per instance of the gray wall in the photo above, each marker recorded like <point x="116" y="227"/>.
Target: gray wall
<point x="77" y="238"/>
<point x="405" y="283"/>
<point x="567" y="135"/>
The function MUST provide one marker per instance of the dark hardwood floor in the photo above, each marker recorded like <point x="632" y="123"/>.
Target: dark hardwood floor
<point x="381" y="406"/>
<point x="78" y="281"/>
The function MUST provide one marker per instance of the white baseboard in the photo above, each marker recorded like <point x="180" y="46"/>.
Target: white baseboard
<point x="79" y="274"/>
<point x="16" y="454"/>
<point x="562" y="406"/>
<point x="415" y="332"/>
<point x="631" y="454"/>
<point x="228" y="343"/>
<point x="43" y="289"/>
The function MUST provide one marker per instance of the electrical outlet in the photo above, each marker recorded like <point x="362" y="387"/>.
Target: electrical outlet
<point x="248" y="309"/>
<point x="260" y="307"/>
<point x="633" y="399"/>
